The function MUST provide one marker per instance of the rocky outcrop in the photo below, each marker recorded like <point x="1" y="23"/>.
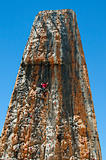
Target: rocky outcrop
<point x="56" y="123"/>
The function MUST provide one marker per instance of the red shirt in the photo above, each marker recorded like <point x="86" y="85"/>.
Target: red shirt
<point x="44" y="85"/>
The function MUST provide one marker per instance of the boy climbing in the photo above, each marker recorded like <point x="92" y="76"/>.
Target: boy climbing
<point x="43" y="87"/>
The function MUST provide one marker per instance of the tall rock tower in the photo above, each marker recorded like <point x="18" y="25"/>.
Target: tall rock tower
<point x="51" y="114"/>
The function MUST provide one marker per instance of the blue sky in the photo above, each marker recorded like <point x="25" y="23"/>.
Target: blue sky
<point x="16" y="18"/>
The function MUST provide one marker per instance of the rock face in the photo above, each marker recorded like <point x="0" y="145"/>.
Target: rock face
<point x="56" y="123"/>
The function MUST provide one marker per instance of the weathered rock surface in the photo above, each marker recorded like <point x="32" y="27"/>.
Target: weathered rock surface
<point x="60" y="125"/>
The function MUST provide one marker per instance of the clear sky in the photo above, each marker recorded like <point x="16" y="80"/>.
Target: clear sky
<point x="16" y="18"/>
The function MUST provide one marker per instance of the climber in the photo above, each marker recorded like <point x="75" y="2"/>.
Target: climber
<point x="43" y="87"/>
